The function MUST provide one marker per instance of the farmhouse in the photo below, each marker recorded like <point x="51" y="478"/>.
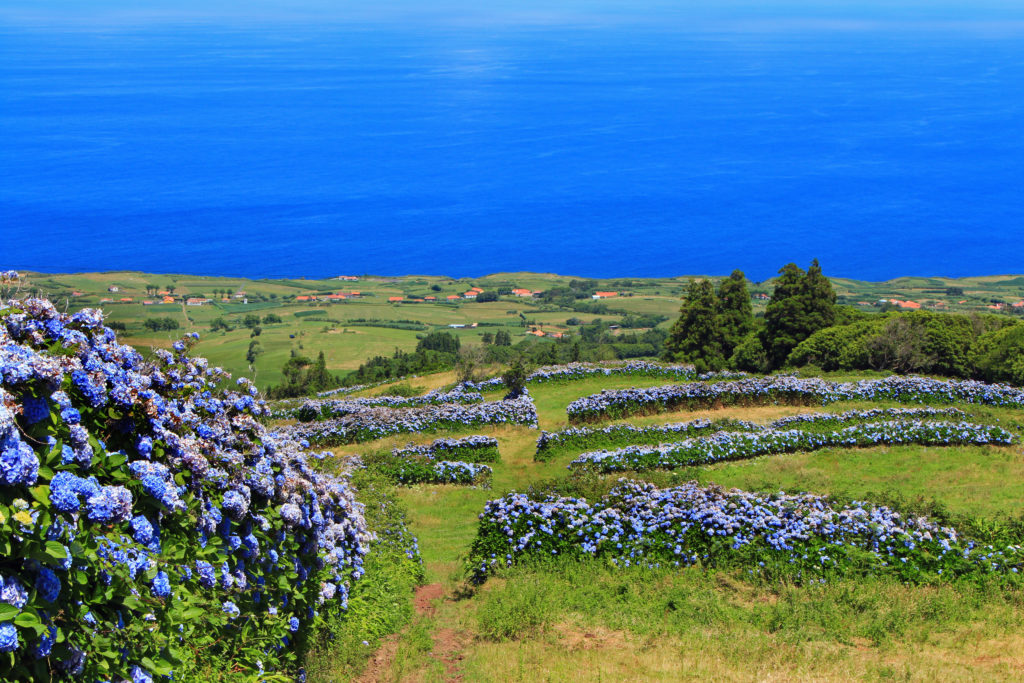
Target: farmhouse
<point x="305" y="298"/>
<point x="522" y="292"/>
<point x="430" y="298"/>
<point x="394" y="299"/>
<point x="604" y="295"/>
<point x="196" y="302"/>
<point x="470" y="294"/>
<point x="113" y="288"/>
<point x="168" y="300"/>
<point x="452" y="297"/>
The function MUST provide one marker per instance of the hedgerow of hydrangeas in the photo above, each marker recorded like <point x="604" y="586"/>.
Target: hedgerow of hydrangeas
<point x="149" y="524"/>
<point x="572" y="372"/>
<point x="724" y="446"/>
<point x="803" y="537"/>
<point x="424" y="470"/>
<point x="476" y="448"/>
<point x="327" y="408"/>
<point x="577" y="439"/>
<point x="790" y="391"/>
<point x="371" y="424"/>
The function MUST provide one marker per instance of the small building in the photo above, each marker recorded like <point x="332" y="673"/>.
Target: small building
<point x="522" y="292"/>
<point x="336" y="297"/>
<point x="394" y="299"/>
<point x="1019" y="304"/>
<point x="168" y="300"/>
<point x="469" y="295"/>
<point x="106" y="301"/>
<point x="349" y="278"/>
<point x="126" y="299"/>
<point x="456" y="326"/>
<point x="113" y="288"/>
<point x="77" y="293"/>
<point x="453" y="297"/>
<point x="196" y="301"/>
<point x="305" y="297"/>
<point x="147" y="302"/>
<point x="604" y="295"/>
<point x="431" y="299"/>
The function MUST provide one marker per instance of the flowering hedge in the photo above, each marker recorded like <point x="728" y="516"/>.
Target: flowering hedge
<point x="724" y="446"/>
<point x="475" y="448"/>
<point x="788" y="390"/>
<point x="328" y="408"/>
<point x="572" y="372"/>
<point x="801" y="536"/>
<point x="422" y="469"/>
<point x="375" y="423"/>
<point x="150" y="524"/>
<point x="577" y="439"/>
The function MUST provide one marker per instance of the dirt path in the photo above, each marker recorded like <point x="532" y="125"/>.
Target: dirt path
<point x="448" y="643"/>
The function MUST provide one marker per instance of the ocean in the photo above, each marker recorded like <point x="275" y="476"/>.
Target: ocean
<point x="591" y="150"/>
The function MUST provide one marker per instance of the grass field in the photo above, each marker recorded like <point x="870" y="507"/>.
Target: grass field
<point x="584" y="620"/>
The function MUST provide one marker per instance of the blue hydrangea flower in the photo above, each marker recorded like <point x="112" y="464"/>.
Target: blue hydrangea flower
<point x="230" y="608"/>
<point x="64" y="492"/>
<point x="140" y="675"/>
<point x="142" y="530"/>
<point x="19" y="465"/>
<point x="48" y="584"/>
<point x="8" y="637"/>
<point x="161" y="585"/>
<point x="44" y="646"/>
<point x="13" y="593"/>
<point x="293" y="624"/>
<point x="35" y="409"/>
<point x="70" y="416"/>
<point x="207" y="575"/>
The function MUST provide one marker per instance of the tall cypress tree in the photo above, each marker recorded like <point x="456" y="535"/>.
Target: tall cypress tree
<point x="783" y="318"/>
<point x="735" y="314"/>
<point x="695" y="337"/>
<point x="819" y="300"/>
<point x="801" y="305"/>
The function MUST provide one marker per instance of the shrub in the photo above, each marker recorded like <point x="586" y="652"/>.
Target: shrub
<point x="151" y="524"/>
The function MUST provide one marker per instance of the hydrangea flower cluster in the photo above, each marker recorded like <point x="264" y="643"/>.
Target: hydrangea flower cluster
<point x="802" y="535"/>
<point x="430" y="471"/>
<point x="578" y="439"/>
<point x="475" y="448"/>
<point x="789" y="390"/>
<point x="723" y="446"/>
<point x="572" y="372"/>
<point x="138" y="498"/>
<point x="373" y="423"/>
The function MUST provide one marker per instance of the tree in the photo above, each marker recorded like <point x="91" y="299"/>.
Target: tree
<point x="502" y="338"/>
<point x="515" y="379"/>
<point x="695" y="336"/>
<point x="255" y="349"/>
<point x="444" y="342"/>
<point x="801" y="304"/>
<point x="271" y="318"/>
<point x="251" y="320"/>
<point x="487" y="338"/>
<point x="483" y="297"/>
<point x="735" y="314"/>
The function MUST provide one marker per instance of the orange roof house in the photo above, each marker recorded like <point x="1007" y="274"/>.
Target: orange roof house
<point x="522" y="292"/>
<point x="303" y="297"/>
<point x="452" y="297"/>
<point x="336" y="297"/>
<point x="1019" y="304"/>
<point x="478" y="290"/>
<point x="537" y="333"/>
<point x="430" y="298"/>
<point x="394" y="299"/>
<point x="126" y="299"/>
<point x="604" y="295"/>
<point x="470" y="294"/>
<point x="168" y="300"/>
<point x="904" y="304"/>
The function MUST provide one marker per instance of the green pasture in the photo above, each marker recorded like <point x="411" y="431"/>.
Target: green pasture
<point x="582" y="620"/>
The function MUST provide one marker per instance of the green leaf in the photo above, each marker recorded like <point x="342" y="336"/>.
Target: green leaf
<point x="8" y="612"/>
<point x="41" y="494"/>
<point x="56" y="550"/>
<point x="29" y="620"/>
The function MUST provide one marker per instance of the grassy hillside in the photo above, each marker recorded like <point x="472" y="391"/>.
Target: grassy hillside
<point x="589" y="621"/>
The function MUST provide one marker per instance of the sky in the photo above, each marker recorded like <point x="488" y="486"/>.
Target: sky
<point x="749" y="14"/>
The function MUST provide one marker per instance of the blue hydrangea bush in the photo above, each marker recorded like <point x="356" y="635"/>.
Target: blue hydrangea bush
<point x="574" y="372"/>
<point x="576" y="439"/>
<point x="725" y="446"/>
<point x="476" y="448"/>
<point x="372" y="423"/>
<point x="800" y="537"/>
<point x="784" y="390"/>
<point x="151" y="526"/>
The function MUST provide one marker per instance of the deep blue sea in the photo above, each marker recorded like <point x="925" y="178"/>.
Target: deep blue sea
<point x="589" y="150"/>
